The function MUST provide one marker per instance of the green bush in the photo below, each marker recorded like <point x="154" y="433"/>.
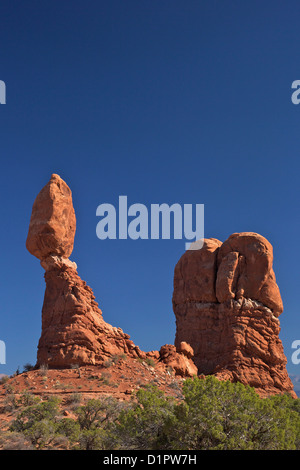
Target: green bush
<point x="213" y="415"/>
<point x="33" y="414"/>
<point x="41" y="433"/>
<point x="97" y="413"/>
<point x="14" y="441"/>
<point x="225" y="415"/>
<point x="145" y="424"/>
<point x="93" y="439"/>
<point x="69" y="428"/>
<point x="27" y="367"/>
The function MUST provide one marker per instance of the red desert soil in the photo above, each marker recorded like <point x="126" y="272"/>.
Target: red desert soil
<point x="120" y="380"/>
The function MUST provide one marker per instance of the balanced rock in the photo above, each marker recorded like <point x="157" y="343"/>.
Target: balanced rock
<point x="73" y="329"/>
<point x="227" y="303"/>
<point x="53" y="223"/>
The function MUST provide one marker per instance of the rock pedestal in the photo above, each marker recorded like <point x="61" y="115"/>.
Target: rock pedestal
<point x="73" y="329"/>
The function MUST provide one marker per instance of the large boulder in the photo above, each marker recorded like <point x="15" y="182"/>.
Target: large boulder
<point x="53" y="223"/>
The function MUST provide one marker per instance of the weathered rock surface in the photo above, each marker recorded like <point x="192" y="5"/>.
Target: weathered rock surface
<point x="53" y="223"/>
<point x="179" y="359"/>
<point x="73" y="329"/>
<point x="226" y="302"/>
<point x="247" y="259"/>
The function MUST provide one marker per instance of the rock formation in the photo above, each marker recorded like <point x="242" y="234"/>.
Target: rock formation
<point x="73" y="329"/>
<point x="180" y="359"/>
<point x="227" y="303"/>
<point x="53" y="223"/>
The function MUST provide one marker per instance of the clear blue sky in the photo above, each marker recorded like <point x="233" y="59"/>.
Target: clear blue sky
<point x="162" y="101"/>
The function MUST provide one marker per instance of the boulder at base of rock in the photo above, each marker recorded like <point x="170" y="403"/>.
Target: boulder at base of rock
<point x="179" y="362"/>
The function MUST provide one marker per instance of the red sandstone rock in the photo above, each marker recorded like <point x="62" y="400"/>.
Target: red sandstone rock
<point x="179" y="362"/>
<point x="226" y="302"/>
<point x="185" y="349"/>
<point x="73" y="329"/>
<point x="53" y="223"/>
<point x="194" y="276"/>
<point x="247" y="259"/>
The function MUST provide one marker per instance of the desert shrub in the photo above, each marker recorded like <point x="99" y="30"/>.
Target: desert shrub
<point x="4" y="379"/>
<point x="33" y="414"/>
<point x="10" y="402"/>
<point x="27" y="399"/>
<point x="288" y="417"/>
<point x="213" y="414"/>
<point x="41" y="433"/>
<point x="108" y="363"/>
<point x="97" y="413"/>
<point x="9" y="389"/>
<point x="14" y="441"/>
<point x="96" y="421"/>
<point x="224" y="416"/>
<point x="105" y="378"/>
<point x="69" y="428"/>
<point x="27" y="367"/>
<point x="44" y="369"/>
<point x="150" y="362"/>
<point x="115" y="358"/>
<point x="145" y="424"/>
<point x="93" y="439"/>
<point x="74" y="399"/>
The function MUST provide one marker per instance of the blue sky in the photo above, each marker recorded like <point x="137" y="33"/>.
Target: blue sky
<point x="183" y="102"/>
